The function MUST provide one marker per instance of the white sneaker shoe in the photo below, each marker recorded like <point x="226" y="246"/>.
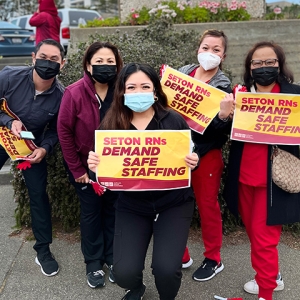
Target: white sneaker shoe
<point x="187" y="264"/>
<point x="261" y="298"/>
<point x="251" y="286"/>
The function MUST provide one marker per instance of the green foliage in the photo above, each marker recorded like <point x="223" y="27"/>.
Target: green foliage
<point x="292" y="12"/>
<point x="236" y="15"/>
<point x="140" y="17"/>
<point x="195" y="15"/>
<point x="22" y="212"/>
<point x="158" y="43"/>
<point x="62" y="195"/>
<point x="273" y="16"/>
<point x="103" y="23"/>
<point x="288" y="12"/>
<point x="184" y="12"/>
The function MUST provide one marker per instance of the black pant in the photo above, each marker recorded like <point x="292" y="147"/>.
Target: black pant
<point x="97" y="225"/>
<point x="36" y="182"/>
<point x="133" y="233"/>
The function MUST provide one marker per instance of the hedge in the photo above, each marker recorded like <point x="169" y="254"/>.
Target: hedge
<point x="156" y="44"/>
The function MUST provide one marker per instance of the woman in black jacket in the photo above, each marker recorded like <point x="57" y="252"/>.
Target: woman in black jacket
<point x="249" y="189"/>
<point x="165" y="215"/>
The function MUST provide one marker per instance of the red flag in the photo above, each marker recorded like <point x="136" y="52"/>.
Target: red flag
<point x="24" y="165"/>
<point x="98" y="188"/>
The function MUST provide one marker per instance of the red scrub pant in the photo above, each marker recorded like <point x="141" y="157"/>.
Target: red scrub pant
<point x="263" y="238"/>
<point x="206" y="183"/>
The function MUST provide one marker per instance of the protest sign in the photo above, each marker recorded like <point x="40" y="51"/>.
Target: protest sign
<point x="267" y="118"/>
<point x="195" y="100"/>
<point x="143" y="159"/>
<point x="15" y="147"/>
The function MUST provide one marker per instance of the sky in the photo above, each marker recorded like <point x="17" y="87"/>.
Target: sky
<point x="292" y="1"/>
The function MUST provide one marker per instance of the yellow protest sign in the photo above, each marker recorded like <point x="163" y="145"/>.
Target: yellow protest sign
<point x="143" y="159"/>
<point x="15" y="147"/>
<point x="195" y="100"/>
<point x="267" y="118"/>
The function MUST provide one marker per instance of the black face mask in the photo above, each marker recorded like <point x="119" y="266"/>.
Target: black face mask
<point x="46" y="68"/>
<point x="265" y="76"/>
<point x="104" y="73"/>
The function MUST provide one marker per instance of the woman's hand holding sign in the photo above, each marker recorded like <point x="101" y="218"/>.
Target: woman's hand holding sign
<point x="16" y="127"/>
<point x="37" y="155"/>
<point x="93" y="161"/>
<point x="192" y="160"/>
<point x="227" y="107"/>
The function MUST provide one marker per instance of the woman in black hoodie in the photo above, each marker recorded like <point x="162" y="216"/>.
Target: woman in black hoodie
<point x="165" y="215"/>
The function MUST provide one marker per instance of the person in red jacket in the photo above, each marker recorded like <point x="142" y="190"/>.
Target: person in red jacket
<point x="207" y="178"/>
<point x="249" y="189"/>
<point x="46" y="21"/>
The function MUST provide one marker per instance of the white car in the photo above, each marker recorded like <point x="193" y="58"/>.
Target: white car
<point x="70" y="17"/>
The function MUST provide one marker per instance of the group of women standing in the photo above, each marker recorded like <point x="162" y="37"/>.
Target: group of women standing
<point x="116" y="227"/>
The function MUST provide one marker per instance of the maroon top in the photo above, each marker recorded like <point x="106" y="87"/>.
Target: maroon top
<point x="78" y="118"/>
<point x="254" y="163"/>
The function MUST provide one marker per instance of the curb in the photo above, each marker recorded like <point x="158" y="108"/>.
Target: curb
<point x="5" y="175"/>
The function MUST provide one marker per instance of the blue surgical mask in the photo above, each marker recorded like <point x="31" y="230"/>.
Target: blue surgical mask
<point x="139" y="102"/>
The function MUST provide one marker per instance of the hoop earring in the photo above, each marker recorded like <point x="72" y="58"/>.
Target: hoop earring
<point x="155" y="98"/>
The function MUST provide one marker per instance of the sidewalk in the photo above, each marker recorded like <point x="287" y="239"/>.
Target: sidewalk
<point x="5" y="175"/>
<point x="20" y="277"/>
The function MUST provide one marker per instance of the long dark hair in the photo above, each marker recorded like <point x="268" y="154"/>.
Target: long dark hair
<point x="93" y="48"/>
<point x="215" y="33"/>
<point x="285" y="74"/>
<point x="119" y="116"/>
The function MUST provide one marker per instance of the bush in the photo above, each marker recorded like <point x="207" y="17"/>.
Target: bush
<point x="273" y="16"/>
<point x="103" y="23"/>
<point x="288" y="12"/>
<point x="156" y="44"/>
<point x="183" y="12"/>
<point x="62" y="195"/>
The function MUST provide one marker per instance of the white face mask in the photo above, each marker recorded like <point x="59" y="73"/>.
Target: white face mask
<point x="208" y="61"/>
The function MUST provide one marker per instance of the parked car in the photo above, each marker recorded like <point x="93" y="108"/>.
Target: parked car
<point x="70" y="17"/>
<point x="15" y="41"/>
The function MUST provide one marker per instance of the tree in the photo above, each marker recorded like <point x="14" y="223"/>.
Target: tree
<point x="15" y="8"/>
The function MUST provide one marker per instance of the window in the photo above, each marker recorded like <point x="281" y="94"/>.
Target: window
<point x="22" y="22"/>
<point x="76" y="15"/>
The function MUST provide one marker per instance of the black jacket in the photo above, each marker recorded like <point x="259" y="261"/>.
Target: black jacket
<point x="153" y="202"/>
<point x="283" y="207"/>
<point x="216" y="134"/>
<point x="37" y="112"/>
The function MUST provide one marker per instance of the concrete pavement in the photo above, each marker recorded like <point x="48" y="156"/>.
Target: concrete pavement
<point x="20" y="277"/>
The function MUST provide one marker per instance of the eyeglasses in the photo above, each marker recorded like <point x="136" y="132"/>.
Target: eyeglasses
<point x="268" y="62"/>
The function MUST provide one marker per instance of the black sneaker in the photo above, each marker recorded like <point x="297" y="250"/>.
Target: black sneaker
<point x="208" y="269"/>
<point x="48" y="264"/>
<point x="135" y="294"/>
<point x="111" y="274"/>
<point x="96" y="279"/>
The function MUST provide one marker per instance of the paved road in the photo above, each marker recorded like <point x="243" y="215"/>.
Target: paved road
<point x="20" y="277"/>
